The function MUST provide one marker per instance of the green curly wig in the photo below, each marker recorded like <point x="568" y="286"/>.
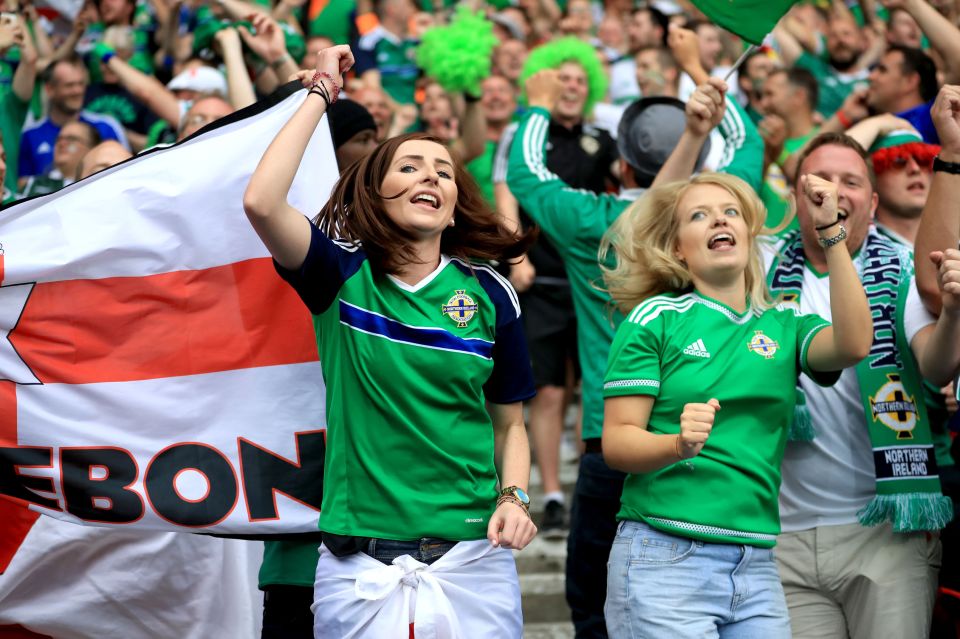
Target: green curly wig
<point x="458" y="56"/>
<point x="553" y="54"/>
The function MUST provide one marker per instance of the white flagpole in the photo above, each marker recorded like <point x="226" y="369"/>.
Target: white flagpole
<point x="736" y="65"/>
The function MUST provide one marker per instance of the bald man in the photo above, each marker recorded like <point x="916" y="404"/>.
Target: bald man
<point x="102" y="156"/>
<point x="203" y="112"/>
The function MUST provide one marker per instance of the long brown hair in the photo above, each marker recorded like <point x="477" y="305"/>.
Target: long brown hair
<point x="355" y="213"/>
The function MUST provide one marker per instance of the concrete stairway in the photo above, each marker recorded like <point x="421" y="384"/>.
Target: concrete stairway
<point x="541" y="567"/>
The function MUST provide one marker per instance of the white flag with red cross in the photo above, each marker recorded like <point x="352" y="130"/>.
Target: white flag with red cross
<point x="156" y="371"/>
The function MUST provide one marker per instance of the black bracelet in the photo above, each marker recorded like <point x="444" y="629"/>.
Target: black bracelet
<point x="943" y="166"/>
<point x="319" y="92"/>
<point x="826" y="226"/>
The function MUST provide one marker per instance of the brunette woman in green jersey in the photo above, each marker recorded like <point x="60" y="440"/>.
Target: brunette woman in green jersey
<point x="426" y="369"/>
<point x="699" y="393"/>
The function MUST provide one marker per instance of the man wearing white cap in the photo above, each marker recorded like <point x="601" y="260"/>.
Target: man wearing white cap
<point x="170" y="103"/>
<point x="198" y="80"/>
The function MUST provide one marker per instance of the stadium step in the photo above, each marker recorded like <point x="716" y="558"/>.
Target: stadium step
<point x="541" y="568"/>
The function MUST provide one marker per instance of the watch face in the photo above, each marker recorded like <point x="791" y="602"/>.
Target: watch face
<point x="522" y="496"/>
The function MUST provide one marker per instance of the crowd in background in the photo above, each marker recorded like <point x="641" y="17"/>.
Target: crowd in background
<point x="83" y="87"/>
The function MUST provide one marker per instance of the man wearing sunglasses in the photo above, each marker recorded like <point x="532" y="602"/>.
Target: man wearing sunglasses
<point x="903" y="164"/>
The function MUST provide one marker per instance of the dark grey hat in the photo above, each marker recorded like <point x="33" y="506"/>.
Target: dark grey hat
<point x="649" y="131"/>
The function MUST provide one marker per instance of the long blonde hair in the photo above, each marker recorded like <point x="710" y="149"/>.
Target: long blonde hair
<point x="644" y="241"/>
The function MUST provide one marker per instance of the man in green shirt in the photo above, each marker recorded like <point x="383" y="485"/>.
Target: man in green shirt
<point x="843" y="70"/>
<point x="575" y="221"/>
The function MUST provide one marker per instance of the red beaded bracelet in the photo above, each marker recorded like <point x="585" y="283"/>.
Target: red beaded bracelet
<point x="315" y="82"/>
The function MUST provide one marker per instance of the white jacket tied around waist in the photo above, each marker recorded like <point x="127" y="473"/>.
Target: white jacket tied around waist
<point x="471" y="592"/>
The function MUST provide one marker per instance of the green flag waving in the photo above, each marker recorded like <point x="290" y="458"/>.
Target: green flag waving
<point x="752" y="20"/>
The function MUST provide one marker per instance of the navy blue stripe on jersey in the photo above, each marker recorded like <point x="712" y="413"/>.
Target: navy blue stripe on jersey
<point x="375" y="324"/>
<point x="325" y="269"/>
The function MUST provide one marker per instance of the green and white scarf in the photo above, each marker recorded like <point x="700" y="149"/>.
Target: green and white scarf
<point x="908" y="483"/>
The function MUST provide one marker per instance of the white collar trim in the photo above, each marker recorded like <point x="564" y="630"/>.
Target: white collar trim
<point x="413" y="288"/>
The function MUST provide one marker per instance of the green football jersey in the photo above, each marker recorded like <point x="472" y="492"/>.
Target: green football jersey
<point x="408" y="369"/>
<point x="687" y="349"/>
<point x="394" y="58"/>
<point x="289" y="562"/>
<point x="834" y="86"/>
<point x="575" y="220"/>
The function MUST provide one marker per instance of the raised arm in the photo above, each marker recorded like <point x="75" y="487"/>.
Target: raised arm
<point x="937" y="348"/>
<point x="283" y="229"/>
<point x="239" y="88"/>
<point x="522" y="271"/>
<point x="270" y="44"/>
<point x="940" y="223"/>
<point x="868" y="131"/>
<point x="559" y="210"/>
<point x="704" y="110"/>
<point x="850" y="337"/>
<point x="944" y="37"/>
<point x="41" y="39"/>
<point x="791" y="47"/>
<point x="26" y="74"/>
<point x="85" y="17"/>
<point x="145" y="88"/>
<point x="238" y="10"/>
<point x="685" y="47"/>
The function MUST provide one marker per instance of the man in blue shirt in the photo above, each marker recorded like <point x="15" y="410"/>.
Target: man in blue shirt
<point x="904" y="82"/>
<point x="66" y="85"/>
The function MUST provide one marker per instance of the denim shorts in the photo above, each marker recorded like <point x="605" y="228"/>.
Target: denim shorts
<point x="664" y="586"/>
<point x="426" y="550"/>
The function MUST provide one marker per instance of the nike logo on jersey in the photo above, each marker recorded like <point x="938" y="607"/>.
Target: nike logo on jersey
<point x="697" y="349"/>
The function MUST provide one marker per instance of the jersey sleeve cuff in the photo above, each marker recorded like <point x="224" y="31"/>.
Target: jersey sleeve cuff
<point x="521" y="396"/>
<point x="821" y="378"/>
<point x="639" y="386"/>
<point x="539" y="111"/>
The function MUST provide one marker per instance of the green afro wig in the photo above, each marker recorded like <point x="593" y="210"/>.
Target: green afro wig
<point x="553" y="54"/>
<point x="458" y="56"/>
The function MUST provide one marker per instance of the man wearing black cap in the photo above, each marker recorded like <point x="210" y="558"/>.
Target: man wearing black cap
<point x="575" y="222"/>
<point x="289" y="567"/>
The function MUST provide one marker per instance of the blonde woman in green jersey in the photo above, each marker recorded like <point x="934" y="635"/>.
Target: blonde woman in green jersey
<point x="426" y="369"/>
<point x="699" y="393"/>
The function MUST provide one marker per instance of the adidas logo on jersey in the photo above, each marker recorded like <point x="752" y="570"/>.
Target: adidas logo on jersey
<point x="697" y="349"/>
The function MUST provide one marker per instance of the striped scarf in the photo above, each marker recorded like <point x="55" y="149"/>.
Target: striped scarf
<point x="908" y="483"/>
